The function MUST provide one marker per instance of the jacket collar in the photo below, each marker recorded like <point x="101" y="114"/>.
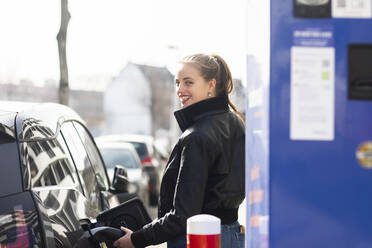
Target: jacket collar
<point x="187" y="116"/>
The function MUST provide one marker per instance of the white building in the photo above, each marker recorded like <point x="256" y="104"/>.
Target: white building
<point x="139" y="100"/>
<point x="142" y="99"/>
<point x="127" y="102"/>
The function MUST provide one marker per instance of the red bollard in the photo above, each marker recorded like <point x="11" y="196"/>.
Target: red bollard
<point x="203" y="231"/>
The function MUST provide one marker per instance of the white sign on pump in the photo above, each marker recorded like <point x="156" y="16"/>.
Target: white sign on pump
<point x="351" y="9"/>
<point x="312" y="88"/>
<point x="312" y="93"/>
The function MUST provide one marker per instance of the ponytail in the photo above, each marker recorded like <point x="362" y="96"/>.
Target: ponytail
<point x="226" y="84"/>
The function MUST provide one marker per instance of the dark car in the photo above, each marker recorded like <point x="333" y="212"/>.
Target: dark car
<point x="152" y="159"/>
<point x="53" y="183"/>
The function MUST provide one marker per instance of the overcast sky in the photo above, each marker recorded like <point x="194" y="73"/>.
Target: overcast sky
<point x="103" y="35"/>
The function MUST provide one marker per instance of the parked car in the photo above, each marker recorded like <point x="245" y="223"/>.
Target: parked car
<point x="152" y="159"/>
<point x="53" y="182"/>
<point x="124" y="154"/>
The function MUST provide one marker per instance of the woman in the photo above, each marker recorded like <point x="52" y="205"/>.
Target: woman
<point x="205" y="171"/>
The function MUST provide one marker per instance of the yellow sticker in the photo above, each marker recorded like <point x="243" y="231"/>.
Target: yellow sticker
<point x="325" y="75"/>
<point x="102" y="245"/>
<point x="364" y="154"/>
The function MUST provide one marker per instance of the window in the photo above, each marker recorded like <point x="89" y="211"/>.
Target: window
<point x="119" y="156"/>
<point x="51" y="164"/>
<point x="82" y="163"/>
<point x="70" y="168"/>
<point x="141" y="149"/>
<point x="93" y="153"/>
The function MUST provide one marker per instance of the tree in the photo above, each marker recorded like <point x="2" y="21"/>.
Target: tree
<point x="61" y="39"/>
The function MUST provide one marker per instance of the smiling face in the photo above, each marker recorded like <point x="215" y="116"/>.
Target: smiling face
<point x="191" y="86"/>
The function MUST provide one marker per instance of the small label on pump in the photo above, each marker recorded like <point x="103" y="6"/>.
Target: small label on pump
<point x="351" y="9"/>
<point x="364" y="154"/>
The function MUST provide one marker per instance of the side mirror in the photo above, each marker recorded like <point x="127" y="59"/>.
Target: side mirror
<point x="120" y="181"/>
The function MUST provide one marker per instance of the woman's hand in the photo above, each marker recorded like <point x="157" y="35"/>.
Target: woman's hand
<point x="125" y="241"/>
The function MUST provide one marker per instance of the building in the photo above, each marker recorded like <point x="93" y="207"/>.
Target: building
<point x="139" y="100"/>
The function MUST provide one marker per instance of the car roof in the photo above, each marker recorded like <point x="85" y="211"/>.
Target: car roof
<point x="145" y="139"/>
<point x="109" y="144"/>
<point x="24" y="114"/>
<point x="7" y="124"/>
<point x="128" y="137"/>
<point x="9" y="110"/>
<point x="148" y="140"/>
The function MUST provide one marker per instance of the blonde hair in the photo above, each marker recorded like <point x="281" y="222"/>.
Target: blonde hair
<point x="214" y="67"/>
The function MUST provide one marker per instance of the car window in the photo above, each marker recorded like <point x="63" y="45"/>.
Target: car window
<point x="82" y="163"/>
<point x="141" y="149"/>
<point x="10" y="176"/>
<point x="68" y="155"/>
<point x="49" y="165"/>
<point x="93" y="153"/>
<point x="117" y="156"/>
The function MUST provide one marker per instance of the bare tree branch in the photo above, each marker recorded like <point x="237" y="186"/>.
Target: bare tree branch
<point x="61" y="38"/>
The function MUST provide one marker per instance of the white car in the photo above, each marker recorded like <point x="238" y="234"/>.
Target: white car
<point x="124" y="154"/>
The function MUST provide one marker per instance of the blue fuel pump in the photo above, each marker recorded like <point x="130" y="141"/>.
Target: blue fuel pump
<point x="309" y="124"/>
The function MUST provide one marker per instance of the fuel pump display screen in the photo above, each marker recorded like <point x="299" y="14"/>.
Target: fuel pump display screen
<point x="312" y="8"/>
<point x="313" y="2"/>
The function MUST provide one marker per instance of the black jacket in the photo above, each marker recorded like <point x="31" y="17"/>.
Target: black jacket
<point x="205" y="171"/>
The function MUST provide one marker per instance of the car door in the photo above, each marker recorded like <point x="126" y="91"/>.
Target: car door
<point x="83" y="165"/>
<point x="57" y="190"/>
<point x="108" y="200"/>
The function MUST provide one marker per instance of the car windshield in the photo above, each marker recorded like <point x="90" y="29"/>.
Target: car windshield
<point x="114" y="156"/>
<point x="141" y="149"/>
